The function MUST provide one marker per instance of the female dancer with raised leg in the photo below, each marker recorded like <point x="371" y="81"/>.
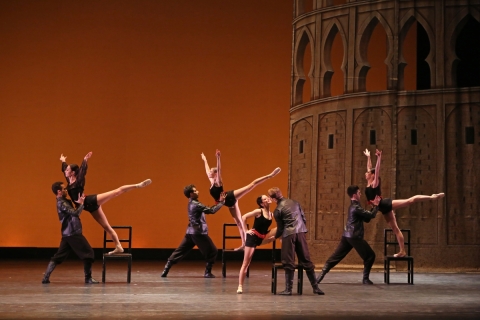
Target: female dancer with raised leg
<point x="258" y="235"/>
<point x="75" y="176"/>
<point x="386" y="205"/>
<point x="216" y="188"/>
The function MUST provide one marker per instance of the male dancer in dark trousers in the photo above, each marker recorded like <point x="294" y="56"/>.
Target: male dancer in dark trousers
<point x="291" y="226"/>
<point x="353" y="236"/>
<point x="197" y="232"/>
<point x="72" y="237"/>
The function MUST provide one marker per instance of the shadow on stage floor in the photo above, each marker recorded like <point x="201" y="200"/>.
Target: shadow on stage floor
<point x="185" y="294"/>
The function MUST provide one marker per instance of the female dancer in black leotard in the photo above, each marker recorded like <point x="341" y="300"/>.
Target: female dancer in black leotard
<point x="216" y="187"/>
<point x="258" y="235"/>
<point x="75" y="176"/>
<point x="386" y="205"/>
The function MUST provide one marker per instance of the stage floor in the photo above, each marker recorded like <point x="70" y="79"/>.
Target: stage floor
<point x="185" y="294"/>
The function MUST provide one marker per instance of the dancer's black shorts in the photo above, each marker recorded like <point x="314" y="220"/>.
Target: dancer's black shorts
<point x="90" y="204"/>
<point x="230" y="199"/>
<point x="253" y="241"/>
<point x="385" y="205"/>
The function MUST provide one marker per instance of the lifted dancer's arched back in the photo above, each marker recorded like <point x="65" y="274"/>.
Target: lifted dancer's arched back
<point x="75" y="176"/>
<point x="231" y="201"/>
<point x="386" y="205"/>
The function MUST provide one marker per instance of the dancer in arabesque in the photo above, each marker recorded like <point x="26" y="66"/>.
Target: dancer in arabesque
<point x="387" y="205"/>
<point x="231" y="200"/>
<point x="75" y="176"/>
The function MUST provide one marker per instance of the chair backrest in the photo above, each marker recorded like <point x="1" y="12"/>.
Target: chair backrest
<point x="128" y="240"/>
<point x="225" y="236"/>
<point x="389" y="238"/>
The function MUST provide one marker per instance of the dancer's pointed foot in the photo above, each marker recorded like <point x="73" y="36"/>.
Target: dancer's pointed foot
<point x="400" y="254"/>
<point x="241" y="248"/>
<point x="239" y="290"/>
<point x="275" y="172"/>
<point x="118" y="249"/>
<point x="144" y="183"/>
<point x="436" y="196"/>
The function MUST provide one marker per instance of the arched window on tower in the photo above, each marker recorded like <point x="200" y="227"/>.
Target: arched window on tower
<point x="376" y="78"/>
<point x="467" y="49"/>
<point x="423" y="50"/>
<point x="307" y="64"/>
<point x="333" y="79"/>
<point x="303" y="66"/>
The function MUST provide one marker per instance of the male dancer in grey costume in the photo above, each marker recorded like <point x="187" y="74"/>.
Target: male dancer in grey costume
<point x="72" y="237"/>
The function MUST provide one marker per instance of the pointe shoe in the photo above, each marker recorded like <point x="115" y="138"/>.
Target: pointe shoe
<point x="438" y="195"/>
<point x="117" y="250"/>
<point x="401" y="254"/>
<point x="239" y="290"/>
<point x="275" y="172"/>
<point x="144" y="183"/>
<point x="241" y="248"/>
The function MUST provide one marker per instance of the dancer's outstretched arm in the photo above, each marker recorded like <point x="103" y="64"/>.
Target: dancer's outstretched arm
<point x="369" y="160"/>
<point x="376" y="181"/>
<point x="64" y="165"/>
<point x="219" y="171"/>
<point x="82" y="172"/>
<point x="207" y="169"/>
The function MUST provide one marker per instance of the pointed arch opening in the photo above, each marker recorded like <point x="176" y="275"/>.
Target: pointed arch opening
<point x="376" y="54"/>
<point x="304" y="65"/>
<point x="333" y="78"/>
<point x="466" y="68"/>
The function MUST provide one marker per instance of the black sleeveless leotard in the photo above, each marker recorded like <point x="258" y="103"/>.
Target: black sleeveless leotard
<point x="385" y="205"/>
<point x="229" y="199"/>
<point x="90" y="203"/>
<point x="260" y="225"/>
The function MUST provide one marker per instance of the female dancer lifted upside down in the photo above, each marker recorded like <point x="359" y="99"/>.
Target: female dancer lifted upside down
<point x="386" y="205"/>
<point x="75" y="176"/>
<point x="258" y="235"/>
<point x="216" y="188"/>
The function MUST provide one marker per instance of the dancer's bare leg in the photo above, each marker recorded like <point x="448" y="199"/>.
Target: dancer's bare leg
<point x="107" y="196"/>
<point x="100" y="217"/>
<point x="392" y="222"/>
<point x="269" y="237"/>
<point x="242" y="228"/>
<point x="238" y="193"/>
<point x="247" y="258"/>
<point x="402" y="203"/>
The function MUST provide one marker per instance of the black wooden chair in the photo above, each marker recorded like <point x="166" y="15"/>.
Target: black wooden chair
<point x="126" y="255"/>
<point x="390" y="239"/>
<point x="276" y="266"/>
<point x="227" y="252"/>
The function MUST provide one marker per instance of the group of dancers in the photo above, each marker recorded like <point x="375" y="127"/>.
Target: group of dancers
<point x="288" y="214"/>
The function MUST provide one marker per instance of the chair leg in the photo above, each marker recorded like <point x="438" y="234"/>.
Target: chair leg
<point x="300" y="280"/>
<point x="129" y="272"/>
<point x="273" y="277"/>
<point x="103" y="270"/>
<point x="275" y="281"/>
<point x="224" y="269"/>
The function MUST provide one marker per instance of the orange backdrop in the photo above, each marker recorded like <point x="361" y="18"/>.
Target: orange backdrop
<point x="147" y="86"/>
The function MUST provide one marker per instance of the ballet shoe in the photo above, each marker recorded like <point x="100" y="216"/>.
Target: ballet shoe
<point x="144" y="183"/>
<point x="239" y="290"/>
<point x="275" y="172"/>
<point x="118" y="249"/>
<point x="438" y="195"/>
<point x="401" y="254"/>
<point x="241" y="248"/>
